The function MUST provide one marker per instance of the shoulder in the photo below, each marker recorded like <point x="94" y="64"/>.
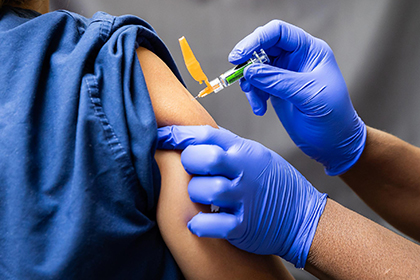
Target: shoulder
<point x="171" y="101"/>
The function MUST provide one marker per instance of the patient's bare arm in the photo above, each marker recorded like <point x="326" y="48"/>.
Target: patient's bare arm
<point x="198" y="258"/>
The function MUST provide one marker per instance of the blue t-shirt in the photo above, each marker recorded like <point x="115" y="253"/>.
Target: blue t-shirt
<point x="78" y="180"/>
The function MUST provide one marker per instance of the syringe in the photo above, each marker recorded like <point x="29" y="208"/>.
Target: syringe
<point x="233" y="75"/>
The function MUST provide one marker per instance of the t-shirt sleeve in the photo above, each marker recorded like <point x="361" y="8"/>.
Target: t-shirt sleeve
<point x="125" y="99"/>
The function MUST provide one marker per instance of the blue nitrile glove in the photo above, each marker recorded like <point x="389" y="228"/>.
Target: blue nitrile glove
<point x="307" y="91"/>
<point x="266" y="205"/>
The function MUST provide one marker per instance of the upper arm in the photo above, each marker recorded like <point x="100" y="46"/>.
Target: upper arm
<point x="172" y="103"/>
<point x="198" y="258"/>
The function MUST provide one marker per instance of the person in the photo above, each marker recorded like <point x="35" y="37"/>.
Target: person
<point x="268" y="207"/>
<point x="82" y="196"/>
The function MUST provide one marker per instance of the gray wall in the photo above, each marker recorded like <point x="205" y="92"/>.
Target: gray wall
<point x="376" y="43"/>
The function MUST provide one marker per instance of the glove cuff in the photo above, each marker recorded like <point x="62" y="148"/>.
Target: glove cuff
<point x="299" y="251"/>
<point x="347" y="160"/>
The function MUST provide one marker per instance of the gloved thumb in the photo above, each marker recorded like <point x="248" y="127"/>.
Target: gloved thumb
<point x="295" y="87"/>
<point x="213" y="225"/>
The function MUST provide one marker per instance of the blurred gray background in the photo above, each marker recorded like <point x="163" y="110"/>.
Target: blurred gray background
<point x="376" y="43"/>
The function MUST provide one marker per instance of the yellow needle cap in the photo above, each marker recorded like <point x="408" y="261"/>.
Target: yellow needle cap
<point x="193" y="65"/>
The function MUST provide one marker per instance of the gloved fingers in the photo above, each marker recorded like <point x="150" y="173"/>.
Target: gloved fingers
<point x="256" y="98"/>
<point x="275" y="33"/>
<point x="298" y="88"/>
<point x="179" y="137"/>
<point x="214" y="225"/>
<point x="208" y="160"/>
<point x="215" y="190"/>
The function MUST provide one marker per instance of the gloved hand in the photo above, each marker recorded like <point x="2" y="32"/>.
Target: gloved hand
<point x="266" y="205"/>
<point x="307" y="91"/>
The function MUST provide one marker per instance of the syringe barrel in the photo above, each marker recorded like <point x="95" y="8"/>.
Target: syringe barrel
<point x="236" y="73"/>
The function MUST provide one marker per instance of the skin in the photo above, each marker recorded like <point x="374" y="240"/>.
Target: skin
<point x="41" y="6"/>
<point x="349" y="246"/>
<point x="387" y="178"/>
